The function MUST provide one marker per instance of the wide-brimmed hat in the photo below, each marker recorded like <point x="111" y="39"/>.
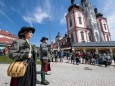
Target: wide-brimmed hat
<point x="43" y="38"/>
<point x="23" y="29"/>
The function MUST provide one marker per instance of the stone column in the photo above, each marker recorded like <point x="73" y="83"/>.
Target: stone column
<point x="110" y="49"/>
<point x="84" y="50"/>
<point x="96" y="50"/>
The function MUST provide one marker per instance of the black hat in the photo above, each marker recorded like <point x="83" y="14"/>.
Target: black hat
<point x="23" y="29"/>
<point x="43" y="38"/>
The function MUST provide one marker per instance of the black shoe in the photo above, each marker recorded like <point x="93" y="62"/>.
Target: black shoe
<point x="45" y="82"/>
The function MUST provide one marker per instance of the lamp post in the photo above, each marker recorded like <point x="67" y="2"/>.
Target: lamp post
<point x="49" y="28"/>
<point x="50" y="38"/>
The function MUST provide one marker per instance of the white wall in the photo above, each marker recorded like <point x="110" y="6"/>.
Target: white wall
<point x="79" y="14"/>
<point x="96" y="31"/>
<point x="75" y="37"/>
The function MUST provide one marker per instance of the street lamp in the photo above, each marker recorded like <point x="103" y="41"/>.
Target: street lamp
<point x="49" y="28"/>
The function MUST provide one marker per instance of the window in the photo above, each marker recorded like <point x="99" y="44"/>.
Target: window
<point x="68" y="40"/>
<point x="89" y="34"/>
<point x="105" y="26"/>
<point x="80" y="21"/>
<point x="70" y="21"/>
<point x="82" y="36"/>
<point x="97" y="36"/>
<point x="72" y="38"/>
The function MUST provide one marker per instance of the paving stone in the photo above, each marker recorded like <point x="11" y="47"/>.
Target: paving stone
<point x="67" y="74"/>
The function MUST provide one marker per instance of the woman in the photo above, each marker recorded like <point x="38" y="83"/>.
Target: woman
<point x="21" y="49"/>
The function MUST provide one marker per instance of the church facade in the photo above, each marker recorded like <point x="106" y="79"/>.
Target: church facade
<point x="85" y="24"/>
<point x="87" y="29"/>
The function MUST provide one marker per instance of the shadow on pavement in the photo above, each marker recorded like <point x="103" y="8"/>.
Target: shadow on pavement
<point x="38" y="82"/>
<point x="38" y="72"/>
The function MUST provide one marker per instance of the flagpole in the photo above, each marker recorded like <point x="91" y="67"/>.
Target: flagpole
<point x="49" y="29"/>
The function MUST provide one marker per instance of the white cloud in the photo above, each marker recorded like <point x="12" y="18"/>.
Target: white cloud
<point x="47" y="4"/>
<point x="38" y="15"/>
<point x="63" y="20"/>
<point x="28" y="19"/>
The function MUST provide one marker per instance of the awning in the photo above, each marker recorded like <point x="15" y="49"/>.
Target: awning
<point x="95" y="44"/>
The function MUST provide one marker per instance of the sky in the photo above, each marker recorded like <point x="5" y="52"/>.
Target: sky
<point x="15" y="14"/>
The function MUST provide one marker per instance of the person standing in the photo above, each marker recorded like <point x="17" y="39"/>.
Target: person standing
<point x="61" y="56"/>
<point x="44" y="59"/>
<point x="21" y="49"/>
<point x="68" y="56"/>
<point x="56" y="55"/>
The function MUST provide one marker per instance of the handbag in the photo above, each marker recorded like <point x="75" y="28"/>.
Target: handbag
<point x="17" y="69"/>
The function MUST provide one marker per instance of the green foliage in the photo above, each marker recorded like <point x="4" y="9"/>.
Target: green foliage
<point x="5" y="59"/>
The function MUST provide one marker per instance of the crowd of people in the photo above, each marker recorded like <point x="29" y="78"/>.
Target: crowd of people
<point x="88" y="57"/>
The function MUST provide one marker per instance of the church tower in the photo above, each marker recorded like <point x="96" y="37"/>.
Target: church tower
<point x="103" y="26"/>
<point x="76" y="24"/>
<point x="91" y="22"/>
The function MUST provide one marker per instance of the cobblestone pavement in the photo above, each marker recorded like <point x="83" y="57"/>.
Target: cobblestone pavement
<point x="66" y="74"/>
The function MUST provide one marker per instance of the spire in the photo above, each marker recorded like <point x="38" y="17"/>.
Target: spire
<point x="97" y="14"/>
<point x="72" y="2"/>
<point x="58" y="35"/>
<point x="83" y="1"/>
<point x="95" y="10"/>
<point x="73" y="5"/>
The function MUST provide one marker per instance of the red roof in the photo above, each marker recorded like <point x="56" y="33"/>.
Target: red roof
<point x="6" y="40"/>
<point x="3" y="32"/>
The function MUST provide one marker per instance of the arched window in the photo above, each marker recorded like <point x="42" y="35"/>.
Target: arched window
<point x="79" y="18"/>
<point x="82" y="35"/>
<point x="72" y="38"/>
<point x="105" y="26"/>
<point x="97" y="36"/>
<point x="90" y="37"/>
<point x="70" y="21"/>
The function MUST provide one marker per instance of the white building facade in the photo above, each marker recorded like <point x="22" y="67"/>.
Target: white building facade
<point x="83" y="25"/>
